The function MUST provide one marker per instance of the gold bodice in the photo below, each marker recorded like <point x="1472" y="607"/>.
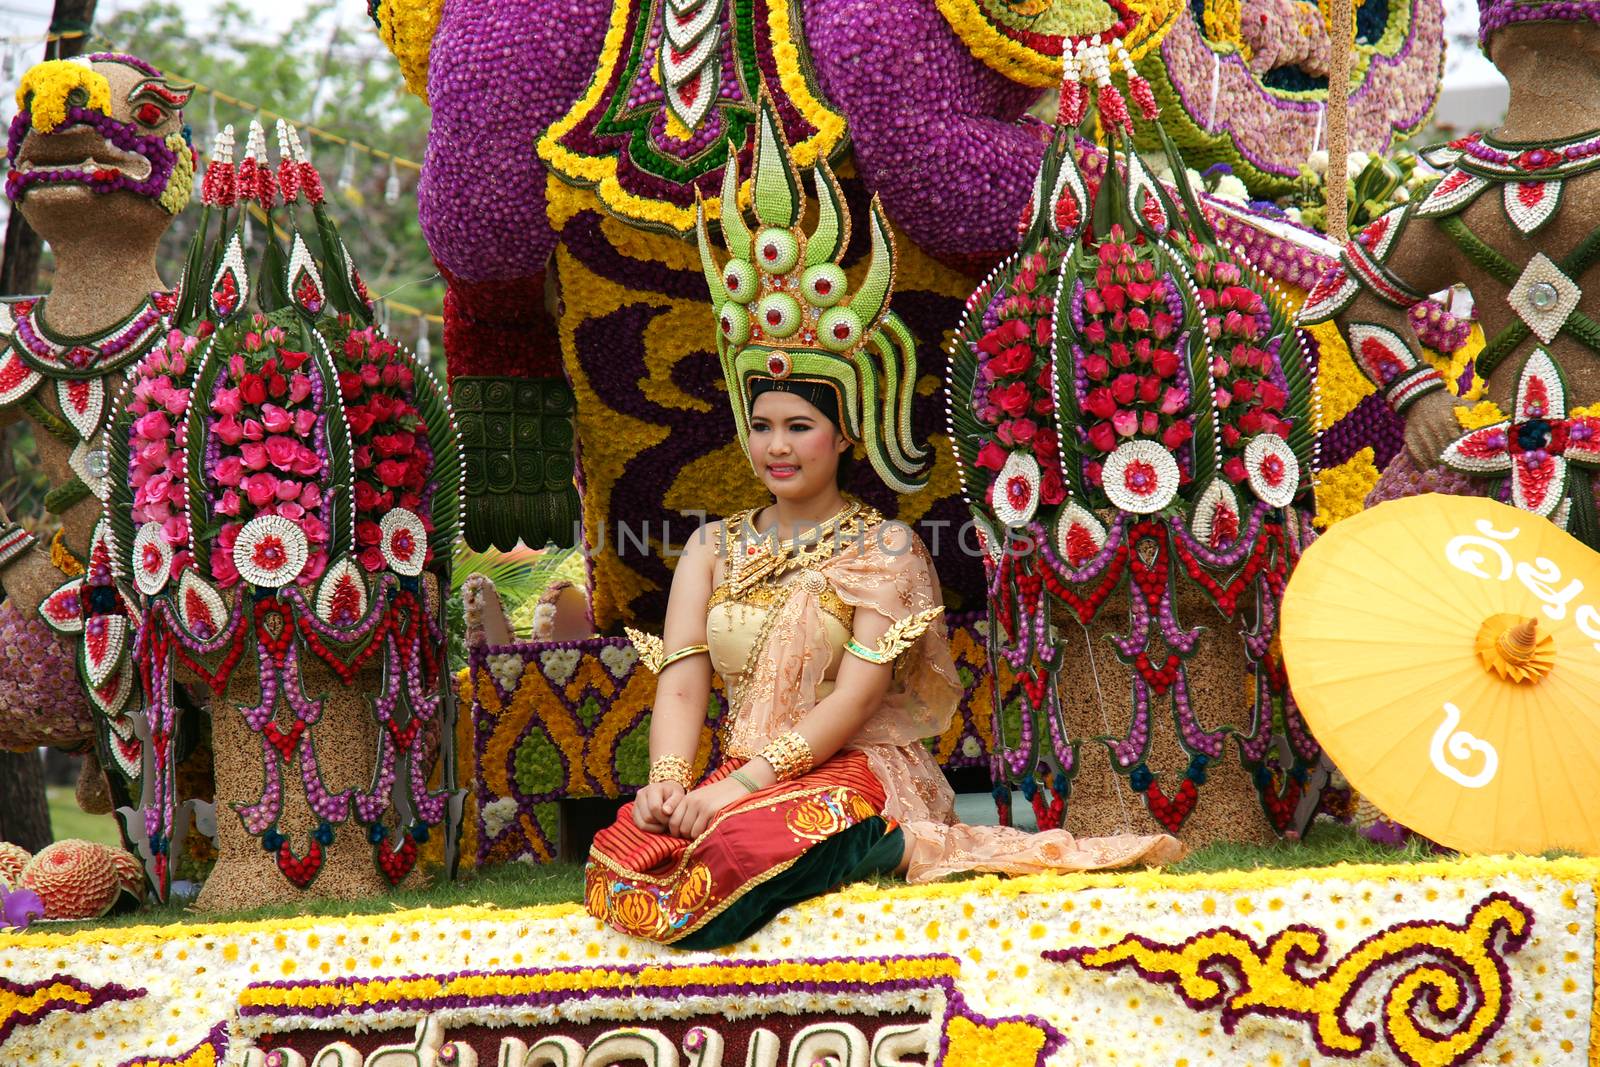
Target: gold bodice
<point x="737" y="629"/>
<point x="745" y="602"/>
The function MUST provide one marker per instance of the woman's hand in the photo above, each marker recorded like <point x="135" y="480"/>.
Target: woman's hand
<point x="691" y="814"/>
<point x="653" y="804"/>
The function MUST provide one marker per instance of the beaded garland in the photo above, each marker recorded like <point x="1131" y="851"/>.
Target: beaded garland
<point x="1173" y="378"/>
<point x="256" y="450"/>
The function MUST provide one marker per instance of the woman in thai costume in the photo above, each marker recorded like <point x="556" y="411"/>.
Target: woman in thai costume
<point x="823" y="619"/>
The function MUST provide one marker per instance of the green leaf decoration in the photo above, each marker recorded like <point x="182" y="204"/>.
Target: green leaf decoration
<point x="119" y="508"/>
<point x="708" y="262"/>
<point x="827" y="242"/>
<point x="966" y="430"/>
<point x="1204" y="442"/>
<point x="777" y="183"/>
<point x="194" y="438"/>
<point x="1198" y="225"/>
<point x="272" y="288"/>
<point x="870" y="300"/>
<point x="1073" y="266"/>
<point x="447" y="468"/>
<point x="194" y="287"/>
<point x="735" y="234"/>
<point x="341" y="476"/>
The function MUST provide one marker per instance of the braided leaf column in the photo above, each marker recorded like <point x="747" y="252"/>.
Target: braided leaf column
<point x="517" y="446"/>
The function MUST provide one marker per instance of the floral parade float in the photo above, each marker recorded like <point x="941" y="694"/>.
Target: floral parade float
<point x="606" y="205"/>
<point x="60" y="356"/>
<point x="606" y="200"/>
<point x="1131" y="409"/>
<point x="285" y="501"/>
<point x="1442" y="963"/>
<point x="1477" y="961"/>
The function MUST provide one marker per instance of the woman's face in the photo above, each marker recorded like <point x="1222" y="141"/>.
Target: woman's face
<point x="794" y="448"/>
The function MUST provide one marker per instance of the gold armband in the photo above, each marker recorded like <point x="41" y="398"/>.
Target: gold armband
<point x="672" y="769"/>
<point x="896" y="639"/>
<point x="683" y="653"/>
<point x="653" y="654"/>
<point x="789" y="755"/>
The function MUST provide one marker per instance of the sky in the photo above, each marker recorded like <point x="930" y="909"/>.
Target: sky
<point x="1474" y="95"/>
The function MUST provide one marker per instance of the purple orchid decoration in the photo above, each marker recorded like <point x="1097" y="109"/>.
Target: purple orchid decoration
<point x="19" y="907"/>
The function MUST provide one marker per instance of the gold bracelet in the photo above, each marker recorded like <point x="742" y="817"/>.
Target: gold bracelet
<point x="789" y="755"/>
<point x="745" y="780"/>
<point x="672" y="769"/>
<point x="653" y="654"/>
<point x="683" y="653"/>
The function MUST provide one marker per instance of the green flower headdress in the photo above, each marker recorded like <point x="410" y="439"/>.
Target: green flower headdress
<point x="785" y="313"/>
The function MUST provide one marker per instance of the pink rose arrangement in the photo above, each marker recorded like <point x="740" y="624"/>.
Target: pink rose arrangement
<point x="266" y="446"/>
<point x="158" y="400"/>
<point x="1250" y="393"/>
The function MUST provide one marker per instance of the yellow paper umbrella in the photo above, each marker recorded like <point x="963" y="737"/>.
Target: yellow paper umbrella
<point x="1446" y="653"/>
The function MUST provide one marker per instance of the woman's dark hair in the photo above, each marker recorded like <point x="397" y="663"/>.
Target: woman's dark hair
<point x="847" y="468"/>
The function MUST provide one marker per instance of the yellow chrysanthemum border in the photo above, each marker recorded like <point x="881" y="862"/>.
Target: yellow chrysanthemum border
<point x="721" y="975"/>
<point x="1022" y="64"/>
<point x="1473" y="868"/>
<point x="601" y="172"/>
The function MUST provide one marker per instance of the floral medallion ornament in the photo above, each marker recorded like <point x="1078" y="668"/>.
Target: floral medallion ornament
<point x="152" y="559"/>
<point x="405" y="542"/>
<point x="1535" y="446"/>
<point x="1274" y="470"/>
<point x="1216" y="516"/>
<point x="1544" y="297"/>
<point x="1016" y="490"/>
<point x="270" y="551"/>
<point x="1141" y="477"/>
<point x="1079" y="536"/>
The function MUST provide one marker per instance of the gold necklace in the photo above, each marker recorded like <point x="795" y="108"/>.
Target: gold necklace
<point x="764" y="561"/>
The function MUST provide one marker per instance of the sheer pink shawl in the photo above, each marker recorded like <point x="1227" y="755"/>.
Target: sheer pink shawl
<point x="890" y="571"/>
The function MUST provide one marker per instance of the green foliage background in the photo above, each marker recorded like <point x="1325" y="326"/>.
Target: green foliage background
<point x="330" y="71"/>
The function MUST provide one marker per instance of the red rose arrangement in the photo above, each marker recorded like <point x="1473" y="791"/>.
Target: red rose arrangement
<point x="1013" y="387"/>
<point x="1129" y="373"/>
<point x="392" y="460"/>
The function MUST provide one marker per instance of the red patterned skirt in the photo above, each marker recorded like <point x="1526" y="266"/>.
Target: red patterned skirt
<point x="793" y="840"/>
